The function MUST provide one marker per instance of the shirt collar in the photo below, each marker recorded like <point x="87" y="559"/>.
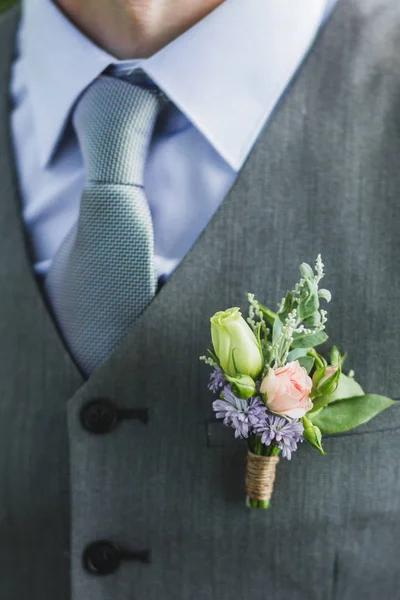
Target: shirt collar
<point x="226" y="73"/>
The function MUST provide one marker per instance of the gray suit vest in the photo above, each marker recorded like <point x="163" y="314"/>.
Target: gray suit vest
<point x="324" y="176"/>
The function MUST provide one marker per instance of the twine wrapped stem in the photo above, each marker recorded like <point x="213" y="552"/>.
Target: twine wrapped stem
<point x="260" y="478"/>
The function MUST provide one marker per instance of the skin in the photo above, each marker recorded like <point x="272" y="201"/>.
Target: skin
<point x="135" y="28"/>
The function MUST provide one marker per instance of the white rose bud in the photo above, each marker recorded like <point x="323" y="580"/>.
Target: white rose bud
<point x="235" y="344"/>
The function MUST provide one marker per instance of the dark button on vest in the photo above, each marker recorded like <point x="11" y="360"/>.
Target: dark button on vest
<point x="99" y="416"/>
<point x="102" y="416"/>
<point x="102" y="558"/>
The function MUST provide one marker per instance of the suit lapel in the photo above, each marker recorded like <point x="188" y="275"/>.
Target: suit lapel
<point x="17" y="281"/>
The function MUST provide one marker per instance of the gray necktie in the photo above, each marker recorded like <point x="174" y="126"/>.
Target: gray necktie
<point x="103" y="276"/>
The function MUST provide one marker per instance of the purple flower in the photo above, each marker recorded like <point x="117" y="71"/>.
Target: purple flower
<point x="286" y="434"/>
<point x="242" y="415"/>
<point x="217" y="380"/>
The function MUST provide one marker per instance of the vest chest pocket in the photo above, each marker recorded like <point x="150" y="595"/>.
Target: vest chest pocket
<point x="219" y="436"/>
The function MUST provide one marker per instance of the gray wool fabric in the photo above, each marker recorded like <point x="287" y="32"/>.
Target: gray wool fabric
<point x="323" y="177"/>
<point x="103" y="276"/>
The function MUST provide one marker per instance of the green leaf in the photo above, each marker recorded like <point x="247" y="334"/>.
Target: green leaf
<point x="314" y="320"/>
<point x="303" y="340"/>
<point x="350" y="413"/>
<point x="296" y="354"/>
<point x="214" y="357"/>
<point x="243" y="386"/>
<point x="277" y="330"/>
<point x="318" y="375"/>
<point x="312" y="434"/>
<point x="347" y="388"/>
<point x="309" y="301"/>
<point x="337" y="359"/>
<point x="319" y="359"/>
<point x="289" y="304"/>
<point x="335" y="356"/>
<point x="306" y="271"/>
<point x="307" y="362"/>
<point x="325" y="295"/>
<point x="268" y="314"/>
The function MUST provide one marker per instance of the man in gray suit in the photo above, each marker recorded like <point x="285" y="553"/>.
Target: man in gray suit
<point x="157" y="161"/>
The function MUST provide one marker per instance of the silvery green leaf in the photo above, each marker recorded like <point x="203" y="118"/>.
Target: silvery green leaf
<point x="313" y="321"/>
<point x="350" y="413"/>
<point x="303" y="340"/>
<point x="337" y="359"/>
<point x="277" y="330"/>
<point x="325" y="295"/>
<point x="296" y="354"/>
<point x="307" y="362"/>
<point x="306" y="271"/>
<point x="309" y="300"/>
<point x="335" y="356"/>
<point x="289" y="304"/>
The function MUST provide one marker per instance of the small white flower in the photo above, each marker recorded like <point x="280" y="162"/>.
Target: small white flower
<point x="209" y="361"/>
<point x="319" y="267"/>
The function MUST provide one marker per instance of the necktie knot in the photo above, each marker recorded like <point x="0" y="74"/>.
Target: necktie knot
<point x="114" y="121"/>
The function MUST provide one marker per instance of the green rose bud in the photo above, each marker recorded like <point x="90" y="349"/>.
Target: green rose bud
<point x="243" y="386"/>
<point x="345" y="387"/>
<point x="325" y="380"/>
<point x="312" y="434"/>
<point x="235" y="345"/>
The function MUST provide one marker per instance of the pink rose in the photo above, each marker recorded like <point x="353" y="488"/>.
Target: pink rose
<point x="288" y="390"/>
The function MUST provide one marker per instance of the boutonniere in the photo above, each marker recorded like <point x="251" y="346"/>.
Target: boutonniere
<point x="274" y="388"/>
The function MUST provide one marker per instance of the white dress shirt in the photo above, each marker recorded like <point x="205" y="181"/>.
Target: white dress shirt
<point x="224" y="77"/>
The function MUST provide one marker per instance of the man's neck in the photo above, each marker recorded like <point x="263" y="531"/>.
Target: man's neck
<point x="135" y="28"/>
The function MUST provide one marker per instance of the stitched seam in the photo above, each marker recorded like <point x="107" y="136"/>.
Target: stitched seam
<point x="351" y="433"/>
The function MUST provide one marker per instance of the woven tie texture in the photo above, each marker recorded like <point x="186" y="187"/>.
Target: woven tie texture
<point x="103" y="276"/>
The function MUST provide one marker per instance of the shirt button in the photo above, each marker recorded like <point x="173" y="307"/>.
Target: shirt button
<point x="102" y="558"/>
<point x="99" y="416"/>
